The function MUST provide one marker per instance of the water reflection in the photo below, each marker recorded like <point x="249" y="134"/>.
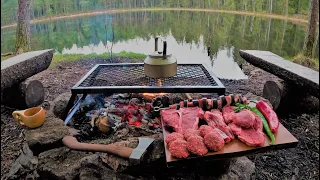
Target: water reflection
<point x="223" y="65"/>
<point x="189" y="35"/>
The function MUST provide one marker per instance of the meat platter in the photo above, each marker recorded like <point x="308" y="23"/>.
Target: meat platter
<point x="232" y="148"/>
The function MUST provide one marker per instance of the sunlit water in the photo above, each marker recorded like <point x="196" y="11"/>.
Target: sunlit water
<point x="188" y="35"/>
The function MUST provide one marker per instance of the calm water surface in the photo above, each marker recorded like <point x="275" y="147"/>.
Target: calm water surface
<point x="188" y="34"/>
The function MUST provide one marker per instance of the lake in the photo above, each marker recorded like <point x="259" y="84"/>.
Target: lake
<point x="188" y="35"/>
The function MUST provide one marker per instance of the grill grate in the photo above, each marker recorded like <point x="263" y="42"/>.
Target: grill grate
<point x="133" y="75"/>
<point x="118" y="77"/>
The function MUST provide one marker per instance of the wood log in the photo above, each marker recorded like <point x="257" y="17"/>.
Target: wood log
<point x="274" y="91"/>
<point x="18" y="68"/>
<point x="289" y="98"/>
<point x="29" y="93"/>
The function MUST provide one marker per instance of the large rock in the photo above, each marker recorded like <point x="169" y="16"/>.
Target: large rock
<point x="63" y="163"/>
<point x="24" y="166"/>
<point x="240" y="168"/>
<point x="48" y="136"/>
<point x="60" y="104"/>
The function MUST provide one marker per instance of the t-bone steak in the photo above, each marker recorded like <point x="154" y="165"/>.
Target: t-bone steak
<point x="182" y="119"/>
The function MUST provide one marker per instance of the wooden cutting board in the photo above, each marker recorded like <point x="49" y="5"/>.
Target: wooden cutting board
<point x="235" y="148"/>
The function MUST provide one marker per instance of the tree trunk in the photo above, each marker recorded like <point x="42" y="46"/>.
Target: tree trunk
<point x="23" y="26"/>
<point x="312" y="28"/>
<point x="29" y="93"/>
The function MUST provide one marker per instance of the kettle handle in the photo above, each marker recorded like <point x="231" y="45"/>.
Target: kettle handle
<point x="156" y="44"/>
<point x="164" y="49"/>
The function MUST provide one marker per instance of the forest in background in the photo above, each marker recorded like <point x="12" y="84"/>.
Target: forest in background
<point x="47" y="8"/>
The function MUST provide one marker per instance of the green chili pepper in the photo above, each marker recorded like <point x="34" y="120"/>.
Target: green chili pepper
<point x="263" y="119"/>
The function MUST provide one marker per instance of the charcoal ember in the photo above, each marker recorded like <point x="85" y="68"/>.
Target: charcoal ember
<point x="137" y="102"/>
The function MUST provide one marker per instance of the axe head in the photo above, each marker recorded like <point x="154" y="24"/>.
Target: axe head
<point x="138" y="153"/>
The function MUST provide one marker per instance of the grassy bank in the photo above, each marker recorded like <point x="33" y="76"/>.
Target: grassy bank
<point x="58" y="58"/>
<point x="297" y="19"/>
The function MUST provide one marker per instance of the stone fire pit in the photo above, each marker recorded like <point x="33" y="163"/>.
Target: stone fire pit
<point x="45" y="157"/>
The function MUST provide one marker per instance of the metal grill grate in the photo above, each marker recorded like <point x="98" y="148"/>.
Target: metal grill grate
<point x="131" y="77"/>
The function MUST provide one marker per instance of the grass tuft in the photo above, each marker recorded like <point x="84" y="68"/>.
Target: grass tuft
<point x="58" y="58"/>
<point x="306" y="61"/>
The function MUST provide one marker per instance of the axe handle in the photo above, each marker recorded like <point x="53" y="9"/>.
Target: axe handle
<point x="72" y="143"/>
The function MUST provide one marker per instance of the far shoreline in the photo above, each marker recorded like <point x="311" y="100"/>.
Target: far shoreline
<point x="113" y="11"/>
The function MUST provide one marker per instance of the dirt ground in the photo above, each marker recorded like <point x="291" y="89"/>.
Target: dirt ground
<point x="301" y="162"/>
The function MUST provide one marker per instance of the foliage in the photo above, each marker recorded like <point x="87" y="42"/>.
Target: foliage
<point x="58" y="58"/>
<point x="215" y="30"/>
<point x="45" y="8"/>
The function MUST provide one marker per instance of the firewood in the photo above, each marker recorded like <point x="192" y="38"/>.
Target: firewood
<point x="287" y="98"/>
<point x="29" y="93"/>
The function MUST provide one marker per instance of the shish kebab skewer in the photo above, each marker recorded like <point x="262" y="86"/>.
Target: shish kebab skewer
<point x="208" y="104"/>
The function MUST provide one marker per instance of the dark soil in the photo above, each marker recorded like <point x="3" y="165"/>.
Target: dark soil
<point x="301" y="162"/>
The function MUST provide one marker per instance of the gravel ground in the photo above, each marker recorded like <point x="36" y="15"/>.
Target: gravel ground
<point x="301" y="162"/>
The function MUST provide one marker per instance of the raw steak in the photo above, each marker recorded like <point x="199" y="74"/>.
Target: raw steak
<point x="182" y="119"/>
<point x="228" y="113"/>
<point x="172" y="118"/>
<point x="252" y="136"/>
<point x="190" y="118"/>
<point x="269" y="114"/>
<point x="244" y="118"/>
<point x="215" y="119"/>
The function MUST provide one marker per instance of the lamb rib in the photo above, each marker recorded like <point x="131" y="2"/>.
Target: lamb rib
<point x="215" y="119"/>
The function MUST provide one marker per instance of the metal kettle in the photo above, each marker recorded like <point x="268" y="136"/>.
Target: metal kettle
<point x="160" y="64"/>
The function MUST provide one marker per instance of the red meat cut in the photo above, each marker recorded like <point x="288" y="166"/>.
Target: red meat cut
<point x="215" y="119"/>
<point x="205" y="129"/>
<point x="196" y="145"/>
<point x="228" y="113"/>
<point x="182" y="119"/>
<point x="214" y="141"/>
<point x="244" y="118"/>
<point x="190" y="132"/>
<point x="269" y="114"/>
<point x="252" y="136"/>
<point x="172" y="137"/>
<point x="225" y="137"/>
<point x="178" y="148"/>
<point x="172" y="118"/>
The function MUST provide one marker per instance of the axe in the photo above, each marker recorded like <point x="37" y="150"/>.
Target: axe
<point x="134" y="155"/>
